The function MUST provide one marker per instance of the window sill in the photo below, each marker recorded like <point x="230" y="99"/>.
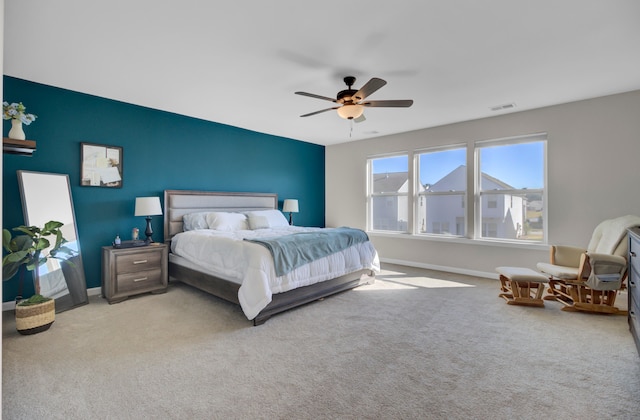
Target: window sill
<point x="460" y="240"/>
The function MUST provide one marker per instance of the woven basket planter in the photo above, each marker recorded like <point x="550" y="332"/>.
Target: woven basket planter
<point x="33" y="319"/>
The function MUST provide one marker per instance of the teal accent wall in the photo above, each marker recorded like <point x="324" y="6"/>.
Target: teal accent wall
<point x="161" y="151"/>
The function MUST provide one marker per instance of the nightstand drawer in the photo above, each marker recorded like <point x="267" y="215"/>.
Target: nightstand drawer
<point x="634" y="287"/>
<point x="634" y="307"/>
<point x="634" y="256"/>
<point x="139" y="280"/>
<point x="139" y="261"/>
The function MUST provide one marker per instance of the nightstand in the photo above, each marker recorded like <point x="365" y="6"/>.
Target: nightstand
<point x="131" y="271"/>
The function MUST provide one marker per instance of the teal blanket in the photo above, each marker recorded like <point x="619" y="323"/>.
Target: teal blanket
<point x="295" y="250"/>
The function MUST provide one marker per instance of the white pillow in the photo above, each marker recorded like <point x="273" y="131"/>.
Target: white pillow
<point x="227" y="221"/>
<point x="263" y="219"/>
<point x="194" y="221"/>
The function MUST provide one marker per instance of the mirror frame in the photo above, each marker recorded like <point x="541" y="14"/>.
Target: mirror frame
<point x="74" y="272"/>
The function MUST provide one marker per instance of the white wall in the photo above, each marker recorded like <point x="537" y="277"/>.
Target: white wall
<point x="593" y="174"/>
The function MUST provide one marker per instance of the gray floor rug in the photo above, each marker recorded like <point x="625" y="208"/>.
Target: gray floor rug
<point x="416" y="344"/>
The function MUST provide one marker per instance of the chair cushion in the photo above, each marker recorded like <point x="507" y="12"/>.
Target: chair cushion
<point x="568" y="256"/>
<point x="521" y="274"/>
<point x="559" y="271"/>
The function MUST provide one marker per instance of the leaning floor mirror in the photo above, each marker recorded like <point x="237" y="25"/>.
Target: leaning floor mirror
<point x="46" y="197"/>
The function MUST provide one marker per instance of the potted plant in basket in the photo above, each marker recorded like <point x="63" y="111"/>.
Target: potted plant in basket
<point x="27" y="252"/>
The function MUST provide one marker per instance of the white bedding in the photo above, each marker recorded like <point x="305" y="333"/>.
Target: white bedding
<point x="230" y="257"/>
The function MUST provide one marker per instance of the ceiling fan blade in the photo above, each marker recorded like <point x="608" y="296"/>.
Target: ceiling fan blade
<point x="369" y="87"/>
<point x="312" y="95"/>
<point x="360" y="119"/>
<point x="319" y="112"/>
<point x="400" y="103"/>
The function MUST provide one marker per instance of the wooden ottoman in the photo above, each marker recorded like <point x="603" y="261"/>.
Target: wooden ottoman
<point x="521" y="286"/>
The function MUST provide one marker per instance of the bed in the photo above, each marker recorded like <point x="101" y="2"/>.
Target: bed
<point x="237" y="287"/>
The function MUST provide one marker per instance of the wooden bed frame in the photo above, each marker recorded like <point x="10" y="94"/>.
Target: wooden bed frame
<point x="177" y="203"/>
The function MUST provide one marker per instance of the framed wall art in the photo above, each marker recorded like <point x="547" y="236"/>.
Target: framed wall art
<point x="100" y="165"/>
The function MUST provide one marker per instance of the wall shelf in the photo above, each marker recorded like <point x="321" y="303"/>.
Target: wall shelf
<point x="18" y="147"/>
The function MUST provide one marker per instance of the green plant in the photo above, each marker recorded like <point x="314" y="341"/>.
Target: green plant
<point x="26" y="250"/>
<point x="34" y="300"/>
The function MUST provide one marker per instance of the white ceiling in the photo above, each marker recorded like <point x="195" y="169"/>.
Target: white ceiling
<point x="239" y="62"/>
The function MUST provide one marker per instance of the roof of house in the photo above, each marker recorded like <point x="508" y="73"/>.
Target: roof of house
<point x="458" y="174"/>
<point x="393" y="181"/>
<point x="389" y="181"/>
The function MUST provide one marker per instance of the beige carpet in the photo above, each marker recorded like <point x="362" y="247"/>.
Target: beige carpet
<point x="417" y="344"/>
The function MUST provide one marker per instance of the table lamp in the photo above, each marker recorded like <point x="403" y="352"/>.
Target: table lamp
<point x="290" y="206"/>
<point x="148" y="206"/>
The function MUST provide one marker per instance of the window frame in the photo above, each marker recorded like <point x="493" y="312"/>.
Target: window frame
<point x="479" y="224"/>
<point x="371" y="194"/>
<point x="426" y="194"/>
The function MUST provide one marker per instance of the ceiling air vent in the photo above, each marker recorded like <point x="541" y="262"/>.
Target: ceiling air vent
<point x="503" y="107"/>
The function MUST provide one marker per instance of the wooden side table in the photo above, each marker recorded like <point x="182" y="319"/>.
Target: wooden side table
<point x="131" y="271"/>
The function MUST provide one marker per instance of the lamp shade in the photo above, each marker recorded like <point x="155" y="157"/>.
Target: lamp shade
<point x="350" y="111"/>
<point x="290" y="206"/>
<point x="148" y="206"/>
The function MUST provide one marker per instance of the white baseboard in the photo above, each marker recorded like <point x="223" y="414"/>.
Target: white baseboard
<point x="447" y="269"/>
<point x="10" y="306"/>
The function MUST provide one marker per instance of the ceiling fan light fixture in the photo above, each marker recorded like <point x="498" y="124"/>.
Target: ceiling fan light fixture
<point x="350" y="111"/>
<point x="349" y="101"/>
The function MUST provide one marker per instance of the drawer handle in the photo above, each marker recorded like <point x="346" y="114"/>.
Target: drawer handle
<point x="141" y="279"/>
<point x="632" y="254"/>
<point x="140" y="262"/>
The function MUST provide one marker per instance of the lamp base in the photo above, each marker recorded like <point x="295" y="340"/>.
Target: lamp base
<point x="290" y="219"/>
<point x="148" y="231"/>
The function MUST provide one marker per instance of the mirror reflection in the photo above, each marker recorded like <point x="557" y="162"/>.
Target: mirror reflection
<point x="45" y="197"/>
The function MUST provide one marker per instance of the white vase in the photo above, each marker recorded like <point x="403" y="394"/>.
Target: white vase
<point x="16" y="131"/>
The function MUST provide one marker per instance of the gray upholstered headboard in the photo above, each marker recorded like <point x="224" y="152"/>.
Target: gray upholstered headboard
<point x="177" y="203"/>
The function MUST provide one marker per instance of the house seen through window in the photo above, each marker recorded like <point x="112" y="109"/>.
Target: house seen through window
<point x="443" y="184"/>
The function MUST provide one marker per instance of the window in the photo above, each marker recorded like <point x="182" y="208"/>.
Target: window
<point x="460" y="226"/>
<point x="388" y="198"/>
<point x="442" y="186"/>
<point x="425" y="192"/>
<point x="511" y="195"/>
<point x="489" y="230"/>
<point x="441" y="227"/>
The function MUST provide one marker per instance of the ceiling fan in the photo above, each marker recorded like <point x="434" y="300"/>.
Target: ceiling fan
<point x="352" y="102"/>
